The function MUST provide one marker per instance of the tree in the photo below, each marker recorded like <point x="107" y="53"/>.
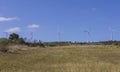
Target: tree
<point x="21" y="41"/>
<point x="14" y="36"/>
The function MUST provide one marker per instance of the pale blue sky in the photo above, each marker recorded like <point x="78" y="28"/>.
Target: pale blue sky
<point x="70" y="17"/>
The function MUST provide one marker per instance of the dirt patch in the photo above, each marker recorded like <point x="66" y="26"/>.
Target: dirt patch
<point x="15" y="48"/>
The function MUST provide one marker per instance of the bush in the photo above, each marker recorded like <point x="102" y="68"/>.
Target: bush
<point x="3" y="45"/>
<point x="4" y="49"/>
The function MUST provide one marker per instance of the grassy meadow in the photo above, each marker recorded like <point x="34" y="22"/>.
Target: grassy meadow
<point x="63" y="59"/>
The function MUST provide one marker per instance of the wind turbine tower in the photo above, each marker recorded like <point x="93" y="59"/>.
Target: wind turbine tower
<point x="31" y="36"/>
<point x="6" y="34"/>
<point x="59" y="36"/>
<point x="111" y="34"/>
<point x="88" y="35"/>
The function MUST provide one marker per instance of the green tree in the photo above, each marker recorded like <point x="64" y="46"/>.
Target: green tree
<point x="21" y="41"/>
<point x="14" y="36"/>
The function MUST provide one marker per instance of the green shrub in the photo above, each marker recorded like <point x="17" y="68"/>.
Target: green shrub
<point x="3" y="45"/>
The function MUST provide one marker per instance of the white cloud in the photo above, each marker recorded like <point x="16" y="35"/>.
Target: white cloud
<point x="33" y="26"/>
<point x="7" y="19"/>
<point x="15" y="29"/>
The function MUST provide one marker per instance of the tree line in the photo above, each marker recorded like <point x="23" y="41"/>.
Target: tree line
<point x="15" y="39"/>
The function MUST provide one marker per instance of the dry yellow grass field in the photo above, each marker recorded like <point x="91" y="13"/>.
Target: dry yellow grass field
<point x="63" y="59"/>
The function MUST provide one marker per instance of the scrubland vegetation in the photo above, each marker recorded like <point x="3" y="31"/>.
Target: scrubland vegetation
<point x="18" y="55"/>
<point x="63" y="59"/>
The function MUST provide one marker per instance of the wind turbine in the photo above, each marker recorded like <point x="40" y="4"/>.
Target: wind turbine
<point x="88" y="35"/>
<point x="59" y="36"/>
<point x="31" y="34"/>
<point x="59" y="33"/>
<point x="6" y="34"/>
<point x="111" y="33"/>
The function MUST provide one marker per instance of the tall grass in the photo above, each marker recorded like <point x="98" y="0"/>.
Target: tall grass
<point x="63" y="59"/>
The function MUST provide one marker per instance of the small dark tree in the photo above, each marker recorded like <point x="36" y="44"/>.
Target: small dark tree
<point x="15" y="39"/>
<point x="21" y="41"/>
<point x="14" y="36"/>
